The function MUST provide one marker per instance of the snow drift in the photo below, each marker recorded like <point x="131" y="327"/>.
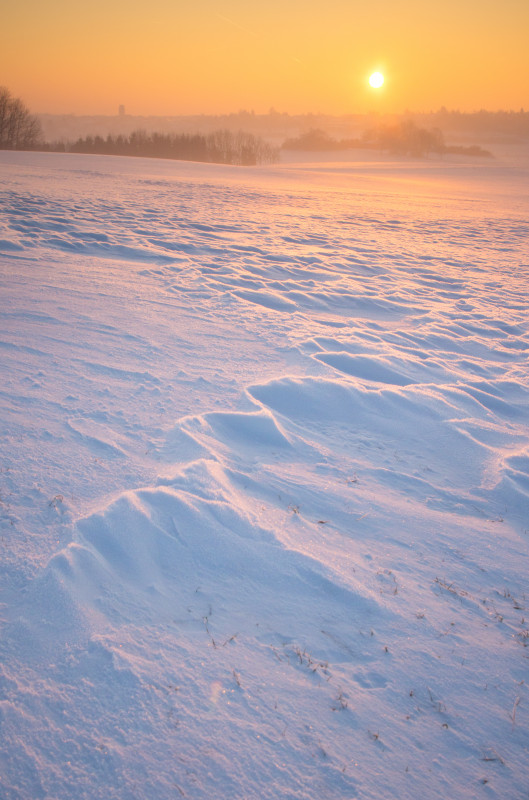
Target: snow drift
<point x="265" y="480"/>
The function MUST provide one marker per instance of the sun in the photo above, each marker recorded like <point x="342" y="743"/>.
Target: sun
<point x="376" y="80"/>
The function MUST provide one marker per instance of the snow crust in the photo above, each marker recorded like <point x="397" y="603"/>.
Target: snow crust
<point x="264" y="488"/>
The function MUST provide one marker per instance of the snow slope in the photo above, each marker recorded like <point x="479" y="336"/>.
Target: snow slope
<point x="264" y="488"/>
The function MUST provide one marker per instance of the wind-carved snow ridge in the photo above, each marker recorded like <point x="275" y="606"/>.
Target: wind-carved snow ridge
<point x="189" y="578"/>
<point x="265" y="490"/>
<point x="251" y="563"/>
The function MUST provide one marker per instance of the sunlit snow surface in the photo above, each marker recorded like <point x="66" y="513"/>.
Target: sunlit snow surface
<point x="264" y="486"/>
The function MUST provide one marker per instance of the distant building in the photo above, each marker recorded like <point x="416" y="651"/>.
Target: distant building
<point x="121" y="111"/>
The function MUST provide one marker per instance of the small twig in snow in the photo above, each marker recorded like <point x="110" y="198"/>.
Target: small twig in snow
<point x="513" y="716"/>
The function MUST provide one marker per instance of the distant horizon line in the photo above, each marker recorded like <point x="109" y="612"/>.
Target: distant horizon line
<point x="275" y="113"/>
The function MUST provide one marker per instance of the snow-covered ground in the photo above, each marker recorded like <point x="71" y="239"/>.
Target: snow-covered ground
<point x="264" y="480"/>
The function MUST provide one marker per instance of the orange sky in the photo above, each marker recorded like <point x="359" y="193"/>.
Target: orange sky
<point x="214" y="56"/>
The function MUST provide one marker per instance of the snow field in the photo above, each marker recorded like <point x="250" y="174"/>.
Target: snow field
<point x="265" y="481"/>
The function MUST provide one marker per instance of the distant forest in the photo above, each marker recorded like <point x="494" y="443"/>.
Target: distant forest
<point x="246" y="149"/>
<point x="243" y="138"/>
<point x="508" y="123"/>
<point x="402" y="138"/>
<point x="219" y="147"/>
<point x="277" y="126"/>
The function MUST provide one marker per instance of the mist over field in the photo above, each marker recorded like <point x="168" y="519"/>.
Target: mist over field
<point x="484" y="127"/>
<point x="264" y="488"/>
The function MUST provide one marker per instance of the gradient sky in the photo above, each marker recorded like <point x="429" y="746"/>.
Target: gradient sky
<point x="215" y="56"/>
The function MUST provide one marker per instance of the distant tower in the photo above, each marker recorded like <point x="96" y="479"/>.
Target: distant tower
<point x="121" y="111"/>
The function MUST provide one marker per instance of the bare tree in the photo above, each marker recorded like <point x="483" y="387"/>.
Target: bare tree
<point x="19" y="130"/>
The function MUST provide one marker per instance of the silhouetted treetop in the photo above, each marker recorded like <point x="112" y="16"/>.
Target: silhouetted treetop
<point x="19" y="130"/>
<point x="219" y="147"/>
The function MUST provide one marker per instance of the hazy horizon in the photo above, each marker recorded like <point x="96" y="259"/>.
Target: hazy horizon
<point x="173" y="60"/>
<point x="250" y="112"/>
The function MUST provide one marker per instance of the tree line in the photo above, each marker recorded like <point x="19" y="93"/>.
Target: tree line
<point x="317" y="140"/>
<point x="218" y="147"/>
<point x="490" y="122"/>
<point x="407" y="138"/>
<point x="402" y="138"/>
<point x="19" y="130"/>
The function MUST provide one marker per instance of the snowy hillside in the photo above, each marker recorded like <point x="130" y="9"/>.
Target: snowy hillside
<point x="264" y="480"/>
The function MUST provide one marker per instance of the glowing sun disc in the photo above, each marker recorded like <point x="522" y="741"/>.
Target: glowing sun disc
<point x="376" y="80"/>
